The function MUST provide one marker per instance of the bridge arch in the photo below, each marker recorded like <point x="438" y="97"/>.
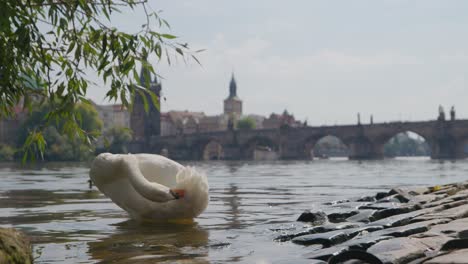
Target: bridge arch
<point x="213" y="150"/>
<point x="407" y="143"/>
<point x="207" y="148"/>
<point x="324" y="146"/>
<point x="330" y="146"/>
<point x="258" y="143"/>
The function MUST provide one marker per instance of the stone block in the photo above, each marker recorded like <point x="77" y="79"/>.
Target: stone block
<point x="399" y="250"/>
<point x="454" y="257"/>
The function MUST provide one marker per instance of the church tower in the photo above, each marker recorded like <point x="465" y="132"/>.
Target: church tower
<point x="233" y="104"/>
<point x="146" y="124"/>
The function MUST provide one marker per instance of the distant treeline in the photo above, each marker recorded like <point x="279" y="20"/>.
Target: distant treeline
<point x="60" y="147"/>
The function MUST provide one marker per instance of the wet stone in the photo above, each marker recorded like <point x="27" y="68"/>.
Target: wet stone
<point x="364" y="242"/>
<point x="381" y="195"/>
<point x="379" y="206"/>
<point x="427" y="199"/>
<point x="332" y="227"/>
<point x="437" y="211"/>
<point x="454" y="257"/>
<point x="363" y="216"/>
<point x="315" y="218"/>
<point x="450" y="190"/>
<point x="384" y="213"/>
<point x="338" y="202"/>
<point x="402" y="198"/>
<point x="316" y="261"/>
<point x="398" y="250"/>
<point x="450" y="205"/>
<point x="287" y="237"/>
<point x="433" y="241"/>
<point x="400" y="194"/>
<point x="418" y="191"/>
<point x="366" y="199"/>
<point x="411" y="229"/>
<point x="326" y="253"/>
<point x="397" y="220"/>
<point x="316" y="230"/>
<point x="296" y="261"/>
<point x="354" y="257"/>
<point x="403" y="231"/>
<point x="333" y="237"/>
<point x="326" y="239"/>
<point x="461" y="195"/>
<point x="389" y="199"/>
<point x="453" y="213"/>
<point x="456" y="228"/>
<point x="424" y="225"/>
<point x="341" y="217"/>
<point x="455" y="244"/>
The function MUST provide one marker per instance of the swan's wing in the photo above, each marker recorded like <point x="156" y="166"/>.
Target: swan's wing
<point x="159" y="169"/>
<point x="153" y="191"/>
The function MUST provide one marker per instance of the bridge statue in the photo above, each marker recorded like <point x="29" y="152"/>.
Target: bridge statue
<point x="441" y="113"/>
<point x="452" y="113"/>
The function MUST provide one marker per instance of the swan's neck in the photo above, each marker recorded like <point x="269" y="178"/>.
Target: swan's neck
<point x="150" y="190"/>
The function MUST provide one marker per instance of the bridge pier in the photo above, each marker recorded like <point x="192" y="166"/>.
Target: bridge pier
<point x="447" y="143"/>
<point x="447" y="147"/>
<point x="363" y="149"/>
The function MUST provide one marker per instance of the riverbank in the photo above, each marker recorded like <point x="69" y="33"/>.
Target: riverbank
<point x="417" y="225"/>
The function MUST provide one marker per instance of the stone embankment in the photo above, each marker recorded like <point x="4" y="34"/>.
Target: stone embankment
<point x="421" y="225"/>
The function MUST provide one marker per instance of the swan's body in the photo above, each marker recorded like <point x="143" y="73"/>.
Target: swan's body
<point x="141" y="185"/>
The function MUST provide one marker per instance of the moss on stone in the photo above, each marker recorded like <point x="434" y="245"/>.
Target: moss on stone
<point x="14" y="247"/>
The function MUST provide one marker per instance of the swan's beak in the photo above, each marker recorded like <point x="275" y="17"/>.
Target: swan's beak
<point x="177" y="193"/>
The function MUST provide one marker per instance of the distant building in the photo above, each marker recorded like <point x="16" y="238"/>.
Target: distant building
<point x="214" y="123"/>
<point x="146" y="124"/>
<point x="168" y="126"/>
<point x="180" y="122"/>
<point x="113" y="116"/>
<point x="278" y="120"/>
<point x="186" y="122"/>
<point x="233" y="104"/>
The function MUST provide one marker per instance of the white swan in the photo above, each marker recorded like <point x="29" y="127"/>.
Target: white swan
<point x="150" y="186"/>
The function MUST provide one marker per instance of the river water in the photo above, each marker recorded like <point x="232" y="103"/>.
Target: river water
<point x="251" y="203"/>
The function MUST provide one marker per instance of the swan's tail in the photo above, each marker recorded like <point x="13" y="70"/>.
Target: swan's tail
<point x="196" y="189"/>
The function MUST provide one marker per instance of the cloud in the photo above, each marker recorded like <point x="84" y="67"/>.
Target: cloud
<point x="270" y="82"/>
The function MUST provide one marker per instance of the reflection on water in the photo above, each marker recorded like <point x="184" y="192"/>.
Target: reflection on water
<point x="250" y="203"/>
<point x="147" y="243"/>
<point x="232" y="202"/>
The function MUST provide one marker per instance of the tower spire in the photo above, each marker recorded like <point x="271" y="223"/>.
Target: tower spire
<point x="232" y="87"/>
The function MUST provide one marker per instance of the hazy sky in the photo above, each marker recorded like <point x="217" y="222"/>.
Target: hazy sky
<point x="324" y="61"/>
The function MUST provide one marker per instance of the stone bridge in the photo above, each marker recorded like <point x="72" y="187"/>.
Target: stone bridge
<point x="447" y="140"/>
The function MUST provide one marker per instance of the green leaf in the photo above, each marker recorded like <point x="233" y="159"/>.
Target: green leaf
<point x="168" y="36"/>
<point x="56" y="44"/>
